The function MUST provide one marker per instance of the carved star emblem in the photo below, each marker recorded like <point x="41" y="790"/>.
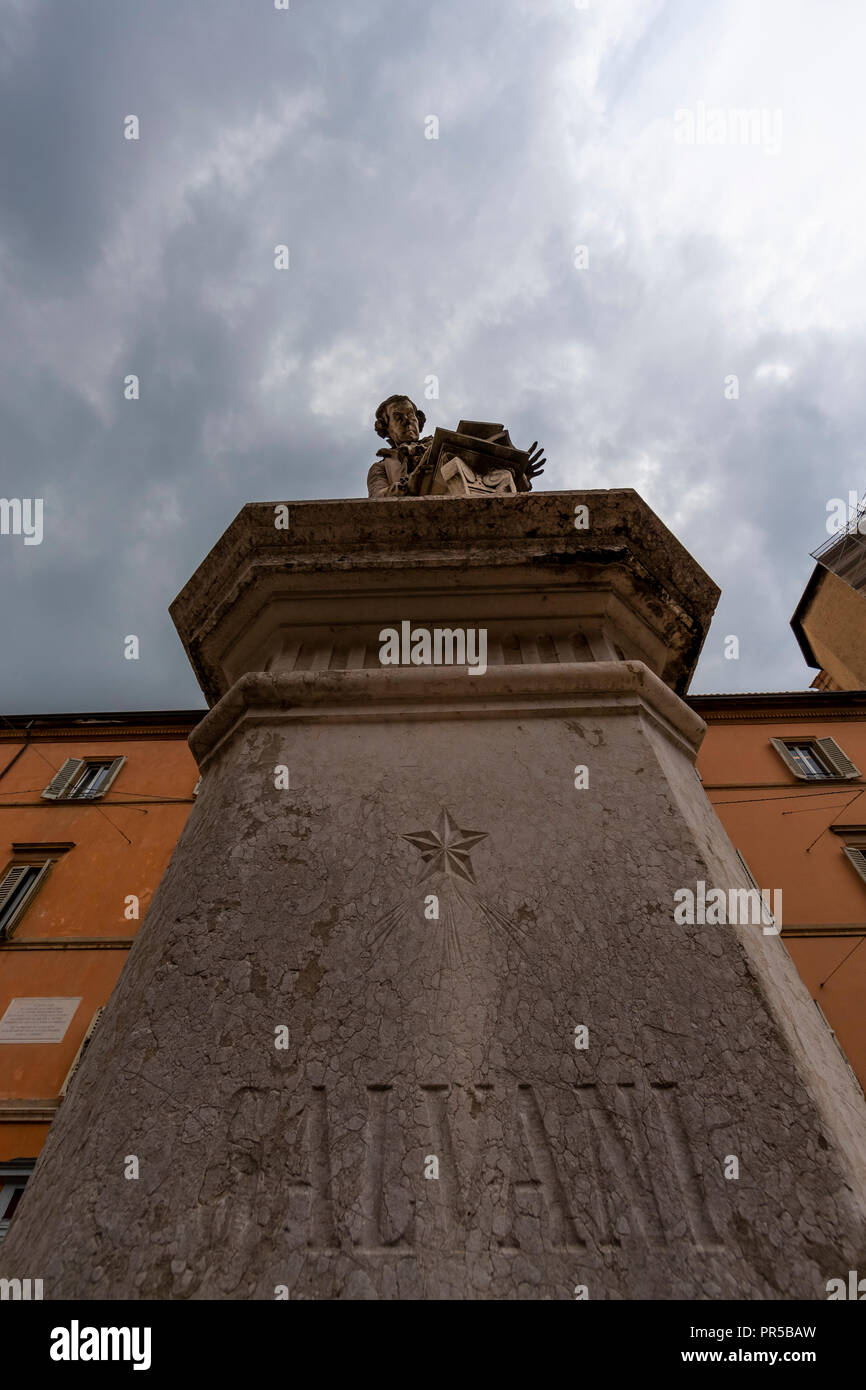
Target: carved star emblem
<point x="446" y="849"/>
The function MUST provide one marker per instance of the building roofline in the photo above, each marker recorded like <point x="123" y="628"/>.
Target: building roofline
<point x="800" y="612"/>
<point x="800" y="701"/>
<point x="815" y="701"/>
<point x="14" y="725"/>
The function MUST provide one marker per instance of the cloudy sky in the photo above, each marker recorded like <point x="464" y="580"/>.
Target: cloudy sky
<point x="714" y="252"/>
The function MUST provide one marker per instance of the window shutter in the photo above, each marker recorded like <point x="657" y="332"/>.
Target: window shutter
<point x="110" y="776"/>
<point x="751" y="876"/>
<point x="857" y="858"/>
<point x="81" y="1051"/>
<point x="842" y="1051"/>
<point x="31" y="891"/>
<point x="11" y="880"/>
<point x="196" y="787"/>
<point x="767" y="917"/>
<point x="836" y="758"/>
<point x="61" y="781"/>
<point x="783" y="753"/>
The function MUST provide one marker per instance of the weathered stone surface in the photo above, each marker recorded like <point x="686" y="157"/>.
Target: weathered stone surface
<point x="413" y="1038"/>
<point x="318" y="592"/>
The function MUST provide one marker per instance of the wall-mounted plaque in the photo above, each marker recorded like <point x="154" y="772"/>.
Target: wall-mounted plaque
<point x="37" y="1020"/>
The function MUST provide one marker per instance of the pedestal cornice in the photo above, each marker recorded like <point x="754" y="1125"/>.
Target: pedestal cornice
<point x="438" y="693"/>
<point x="313" y="596"/>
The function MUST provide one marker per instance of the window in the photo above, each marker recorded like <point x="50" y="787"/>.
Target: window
<point x="815" y="759"/>
<point x="13" y="1180"/>
<point x="809" y="762"/>
<point x="85" y="1043"/>
<point x="857" y="855"/>
<point x="83" y="779"/>
<point x="18" y="885"/>
<point x="767" y="918"/>
<point x="842" y="1051"/>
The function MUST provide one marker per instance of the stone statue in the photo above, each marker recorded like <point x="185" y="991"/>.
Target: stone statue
<point x="475" y="460"/>
<point x="400" y="422"/>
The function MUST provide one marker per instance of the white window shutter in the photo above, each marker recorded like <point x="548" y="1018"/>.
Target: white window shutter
<point x="784" y="754"/>
<point x="62" y="780"/>
<point x="110" y="776"/>
<point x="76" y="1061"/>
<point x="10" y="881"/>
<point x="15" y="874"/>
<point x="766" y="915"/>
<point x="751" y="876"/>
<point x="836" y="758"/>
<point x="857" y="859"/>
<point x="839" y="1045"/>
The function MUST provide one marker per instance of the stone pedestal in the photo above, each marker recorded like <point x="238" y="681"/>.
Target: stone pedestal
<point x="410" y="1015"/>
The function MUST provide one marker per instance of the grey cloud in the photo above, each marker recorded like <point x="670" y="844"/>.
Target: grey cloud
<point x="409" y="257"/>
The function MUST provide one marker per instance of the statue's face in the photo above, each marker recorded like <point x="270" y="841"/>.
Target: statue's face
<point x="402" y="423"/>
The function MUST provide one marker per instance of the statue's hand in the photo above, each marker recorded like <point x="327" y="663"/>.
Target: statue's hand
<point x="536" y="461"/>
<point x="418" y="465"/>
<point x="416" y="477"/>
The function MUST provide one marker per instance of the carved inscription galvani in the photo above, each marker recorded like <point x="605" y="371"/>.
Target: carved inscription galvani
<point x="580" y="1170"/>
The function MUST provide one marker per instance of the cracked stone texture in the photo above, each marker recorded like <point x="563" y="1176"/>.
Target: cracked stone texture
<point x="517" y="566"/>
<point x="304" y="1167"/>
<point x="429" y="1000"/>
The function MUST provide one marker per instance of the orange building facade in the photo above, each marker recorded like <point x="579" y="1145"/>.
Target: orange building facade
<point x="786" y="774"/>
<point x="91" y="807"/>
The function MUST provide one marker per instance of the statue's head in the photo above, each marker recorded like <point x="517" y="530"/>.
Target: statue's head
<point x="399" y="420"/>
